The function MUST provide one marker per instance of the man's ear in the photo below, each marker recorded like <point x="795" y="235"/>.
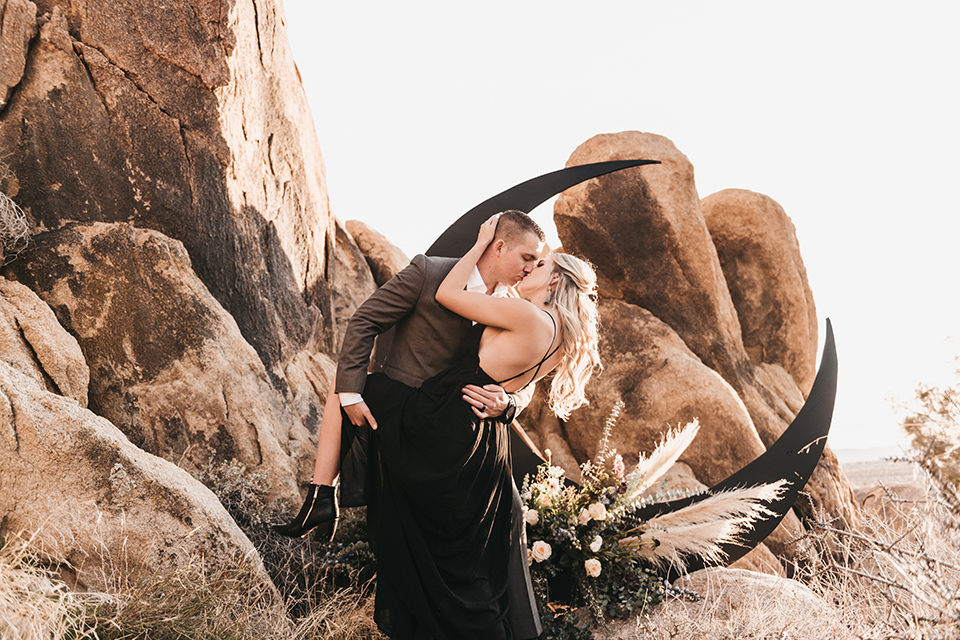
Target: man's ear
<point x="499" y="245"/>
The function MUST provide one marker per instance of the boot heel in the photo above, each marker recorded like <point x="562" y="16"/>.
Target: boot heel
<point x="325" y="531"/>
<point x="320" y="508"/>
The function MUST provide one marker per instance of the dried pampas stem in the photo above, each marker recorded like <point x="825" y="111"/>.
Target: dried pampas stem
<point x="701" y="528"/>
<point x="649" y="470"/>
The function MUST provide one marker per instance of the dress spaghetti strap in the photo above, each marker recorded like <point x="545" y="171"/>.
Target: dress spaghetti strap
<point x="542" y="360"/>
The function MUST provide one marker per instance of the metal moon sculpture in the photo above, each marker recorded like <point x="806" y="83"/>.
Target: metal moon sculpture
<point x="794" y="455"/>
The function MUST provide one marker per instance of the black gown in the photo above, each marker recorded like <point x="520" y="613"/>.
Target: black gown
<point x="443" y="509"/>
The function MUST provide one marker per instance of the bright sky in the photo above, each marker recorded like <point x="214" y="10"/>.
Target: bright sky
<point x="846" y="113"/>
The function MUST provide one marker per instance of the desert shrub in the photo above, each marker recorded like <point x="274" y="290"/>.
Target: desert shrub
<point x="14" y="231"/>
<point x="933" y="428"/>
<point x="898" y="576"/>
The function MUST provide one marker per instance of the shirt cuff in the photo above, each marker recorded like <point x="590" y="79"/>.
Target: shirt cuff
<point x="347" y="399"/>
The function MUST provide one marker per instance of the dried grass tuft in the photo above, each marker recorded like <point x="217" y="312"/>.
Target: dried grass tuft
<point x="33" y="603"/>
<point x="14" y="230"/>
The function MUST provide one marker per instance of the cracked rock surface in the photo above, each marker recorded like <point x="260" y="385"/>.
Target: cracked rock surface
<point x="168" y="365"/>
<point x="166" y="160"/>
<point x="187" y="118"/>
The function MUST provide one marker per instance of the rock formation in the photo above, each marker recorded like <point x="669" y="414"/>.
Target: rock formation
<point x="18" y="24"/>
<point x="674" y="344"/>
<point x="190" y="120"/>
<point x="384" y="257"/>
<point x="168" y="365"/>
<point x="194" y="286"/>
<point x="89" y="499"/>
<point x="760" y="257"/>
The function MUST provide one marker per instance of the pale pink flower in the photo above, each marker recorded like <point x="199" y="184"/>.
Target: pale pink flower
<point x="584" y="516"/>
<point x="598" y="511"/>
<point x="553" y="485"/>
<point x="531" y="517"/>
<point x="596" y="544"/>
<point x="544" y="499"/>
<point x="618" y="467"/>
<point x="541" y="551"/>
<point x="593" y="567"/>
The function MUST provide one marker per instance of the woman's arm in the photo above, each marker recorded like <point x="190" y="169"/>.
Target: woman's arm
<point x="506" y="313"/>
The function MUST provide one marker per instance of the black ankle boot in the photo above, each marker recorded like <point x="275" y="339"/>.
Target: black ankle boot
<point x="320" y="511"/>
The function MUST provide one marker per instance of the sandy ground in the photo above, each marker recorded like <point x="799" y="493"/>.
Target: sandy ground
<point x="869" y="474"/>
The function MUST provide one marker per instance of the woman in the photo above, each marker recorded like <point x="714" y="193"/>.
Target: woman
<point x="444" y="509"/>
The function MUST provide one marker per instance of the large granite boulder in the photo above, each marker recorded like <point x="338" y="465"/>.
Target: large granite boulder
<point x="643" y="229"/>
<point x="646" y="233"/>
<point x="34" y="343"/>
<point x="189" y="119"/>
<point x="168" y="365"/>
<point x="384" y="257"/>
<point x="759" y="253"/>
<point x="351" y="282"/>
<point x="91" y="501"/>
<point x="736" y="603"/>
<point x="662" y="384"/>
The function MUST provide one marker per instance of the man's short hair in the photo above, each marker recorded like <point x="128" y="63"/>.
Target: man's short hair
<point x="513" y="225"/>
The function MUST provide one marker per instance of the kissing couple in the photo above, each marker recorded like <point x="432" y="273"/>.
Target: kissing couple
<point x="459" y="344"/>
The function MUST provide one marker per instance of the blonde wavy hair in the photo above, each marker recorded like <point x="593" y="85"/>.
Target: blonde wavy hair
<point x="575" y="299"/>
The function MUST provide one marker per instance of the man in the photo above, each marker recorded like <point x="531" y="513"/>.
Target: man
<point x="427" y="339"/>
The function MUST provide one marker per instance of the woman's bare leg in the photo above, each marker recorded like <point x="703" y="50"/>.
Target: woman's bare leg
<point x="327" y="466"/>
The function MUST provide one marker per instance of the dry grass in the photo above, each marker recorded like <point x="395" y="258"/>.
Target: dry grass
<point x="33" y="604"/>
<point x="739" y="612"/>
<point x="194" y="601"/>
<point x="897" y="577"/>
<point x="14" y="231"/>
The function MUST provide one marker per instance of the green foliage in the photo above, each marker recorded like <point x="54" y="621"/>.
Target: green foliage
<point x="934" y="430"/>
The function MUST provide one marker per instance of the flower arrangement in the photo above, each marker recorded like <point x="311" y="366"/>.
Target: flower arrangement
<point x="587" y="546"/>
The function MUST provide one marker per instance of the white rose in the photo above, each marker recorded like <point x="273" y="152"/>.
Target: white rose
<point x="598" y="511"/>
<point x="529" y="557"/>
<point x="593" y="567"/>
<point x="544" y="499"/>
<point x="596" y="544"/>
<point x="584" y="516"/>
<point x="531" y="517"/>
<point x="541" y="551"/>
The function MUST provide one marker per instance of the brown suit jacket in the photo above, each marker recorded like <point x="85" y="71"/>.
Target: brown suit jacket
<point x="427" y="338"/>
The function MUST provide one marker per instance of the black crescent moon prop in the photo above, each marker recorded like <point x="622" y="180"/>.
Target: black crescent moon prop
<point x="792" y="457"/>
<point x="526" y="196"/>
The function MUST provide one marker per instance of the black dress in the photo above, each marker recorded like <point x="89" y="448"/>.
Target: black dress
<point x="443" y="512"/>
